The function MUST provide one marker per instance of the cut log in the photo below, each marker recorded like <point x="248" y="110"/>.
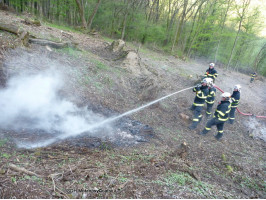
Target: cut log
<point x="11" y="28"/>
<point x="43" y="42"/>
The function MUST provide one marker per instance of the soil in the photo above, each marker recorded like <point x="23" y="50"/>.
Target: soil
<point x="169" y="161"/>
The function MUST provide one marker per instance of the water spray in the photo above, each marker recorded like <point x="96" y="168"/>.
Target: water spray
<point x="133" y="111"/>
<point x="96" y="125"/>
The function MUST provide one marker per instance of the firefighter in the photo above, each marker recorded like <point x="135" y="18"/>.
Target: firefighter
<point x="211" y="72"/>
<point x="201" y="95"/>
<point x="235" y="97"/>
<point x="253" y="75"/>
<point x="210" y="99"/>
<point x="220" y="116"/>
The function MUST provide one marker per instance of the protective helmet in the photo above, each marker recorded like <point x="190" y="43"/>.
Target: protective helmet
<point x="208" y="81"/>
<point x="226" y="95"/>
<point x="237" y="87"/>
<point x="212" y="65"/>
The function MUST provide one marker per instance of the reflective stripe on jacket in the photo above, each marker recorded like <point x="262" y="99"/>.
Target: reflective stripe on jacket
<point x="222" y="111"/>
<point x="211" y="73"/>
<point x="201" y="95"/>
<point x="235" y="99"/>
<point x="211" y="96"/>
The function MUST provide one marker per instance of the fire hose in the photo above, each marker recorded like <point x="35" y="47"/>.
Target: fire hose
<point x="246" y="114"/>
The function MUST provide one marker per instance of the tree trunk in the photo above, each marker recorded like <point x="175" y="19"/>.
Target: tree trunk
<point x="124" y="26"/>
<point x="258" y="57"/>
<point x="81" y="13"/>
<point x="245" y="6"/>
<point x="177" y="28"/>
<point x="223" y="25"/>
<point x="181" y="22"/>
<point x="93" y="14"/>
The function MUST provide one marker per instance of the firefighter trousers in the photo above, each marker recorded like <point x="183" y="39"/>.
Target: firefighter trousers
<point x="232" y="115"/>
<point x="209" y="109"/>
<point x="197" y="113"/>
<point x="213" y="122"/>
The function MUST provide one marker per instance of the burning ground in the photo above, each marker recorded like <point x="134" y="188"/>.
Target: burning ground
<point x="58" y="95"/>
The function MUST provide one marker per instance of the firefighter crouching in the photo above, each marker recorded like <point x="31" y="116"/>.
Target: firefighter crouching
<point x="211" y="72"/>
<point x="199" y="101"/>
<point x="220" y="116"/>
<point x="235" y="97"/>
<point x="210" y="98"/>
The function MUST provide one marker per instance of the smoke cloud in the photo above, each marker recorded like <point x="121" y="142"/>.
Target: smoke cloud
<point x="32" y="101"/>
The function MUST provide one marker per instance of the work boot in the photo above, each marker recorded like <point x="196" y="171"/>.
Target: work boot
<point x="193" y="126"/>
<point x="204" y="132"/>
<point x="218" y="136"/>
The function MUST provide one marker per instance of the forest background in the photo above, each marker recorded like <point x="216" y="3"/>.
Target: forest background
<point x="230" y="33"/>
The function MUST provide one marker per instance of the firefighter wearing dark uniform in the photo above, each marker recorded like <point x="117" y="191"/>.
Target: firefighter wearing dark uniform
<point x="211" y="72"/>
<point x="210" y="100"/>
<point x="201" y="95"/>
<point x="253" y="77"/>
<point x="220" y="116"/>
<point x="235" y="97"/>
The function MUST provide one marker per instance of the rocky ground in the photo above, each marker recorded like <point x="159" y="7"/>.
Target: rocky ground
<point x="170" y="162"/>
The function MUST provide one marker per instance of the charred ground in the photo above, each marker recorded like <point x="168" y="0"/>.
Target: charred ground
<point x="174" y="163"/>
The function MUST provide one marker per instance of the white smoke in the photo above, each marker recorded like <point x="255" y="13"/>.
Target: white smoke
<point x="31" y="101"/>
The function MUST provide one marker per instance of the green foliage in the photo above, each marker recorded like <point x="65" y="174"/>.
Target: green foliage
<point x="14" y="179"/>
<point x="70" y="51"/>
<point x="252" y="184"/>
<point x="5" y="155"/>
<point x="178" y="178"/>
<point x="201" y="33"/>
<point x="2" y="142"/>
<point x="229" y="169"/>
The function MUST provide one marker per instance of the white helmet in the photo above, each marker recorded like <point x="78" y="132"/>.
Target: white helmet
<point x="208" y="81"/>
<point x="237" y="87"/>
<point x="226" y="95"/>
<point x="212" y="65"/>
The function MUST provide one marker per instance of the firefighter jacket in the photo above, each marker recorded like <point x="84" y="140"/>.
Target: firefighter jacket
<point x="201" y="95"/>
<point x="235" y="99"/>
<point x="222" y="111"/>
<point x="211" y="73"/>
<point x="211" y="95"/>
<point x="253" y="75"/>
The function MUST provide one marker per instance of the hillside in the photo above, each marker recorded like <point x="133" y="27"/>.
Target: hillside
<point x="148" y="154"/>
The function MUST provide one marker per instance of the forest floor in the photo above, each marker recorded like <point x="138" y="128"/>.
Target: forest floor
<point x="172" y="161"/>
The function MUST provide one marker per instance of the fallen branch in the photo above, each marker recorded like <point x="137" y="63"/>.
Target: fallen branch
<point x="23" y="170"/>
